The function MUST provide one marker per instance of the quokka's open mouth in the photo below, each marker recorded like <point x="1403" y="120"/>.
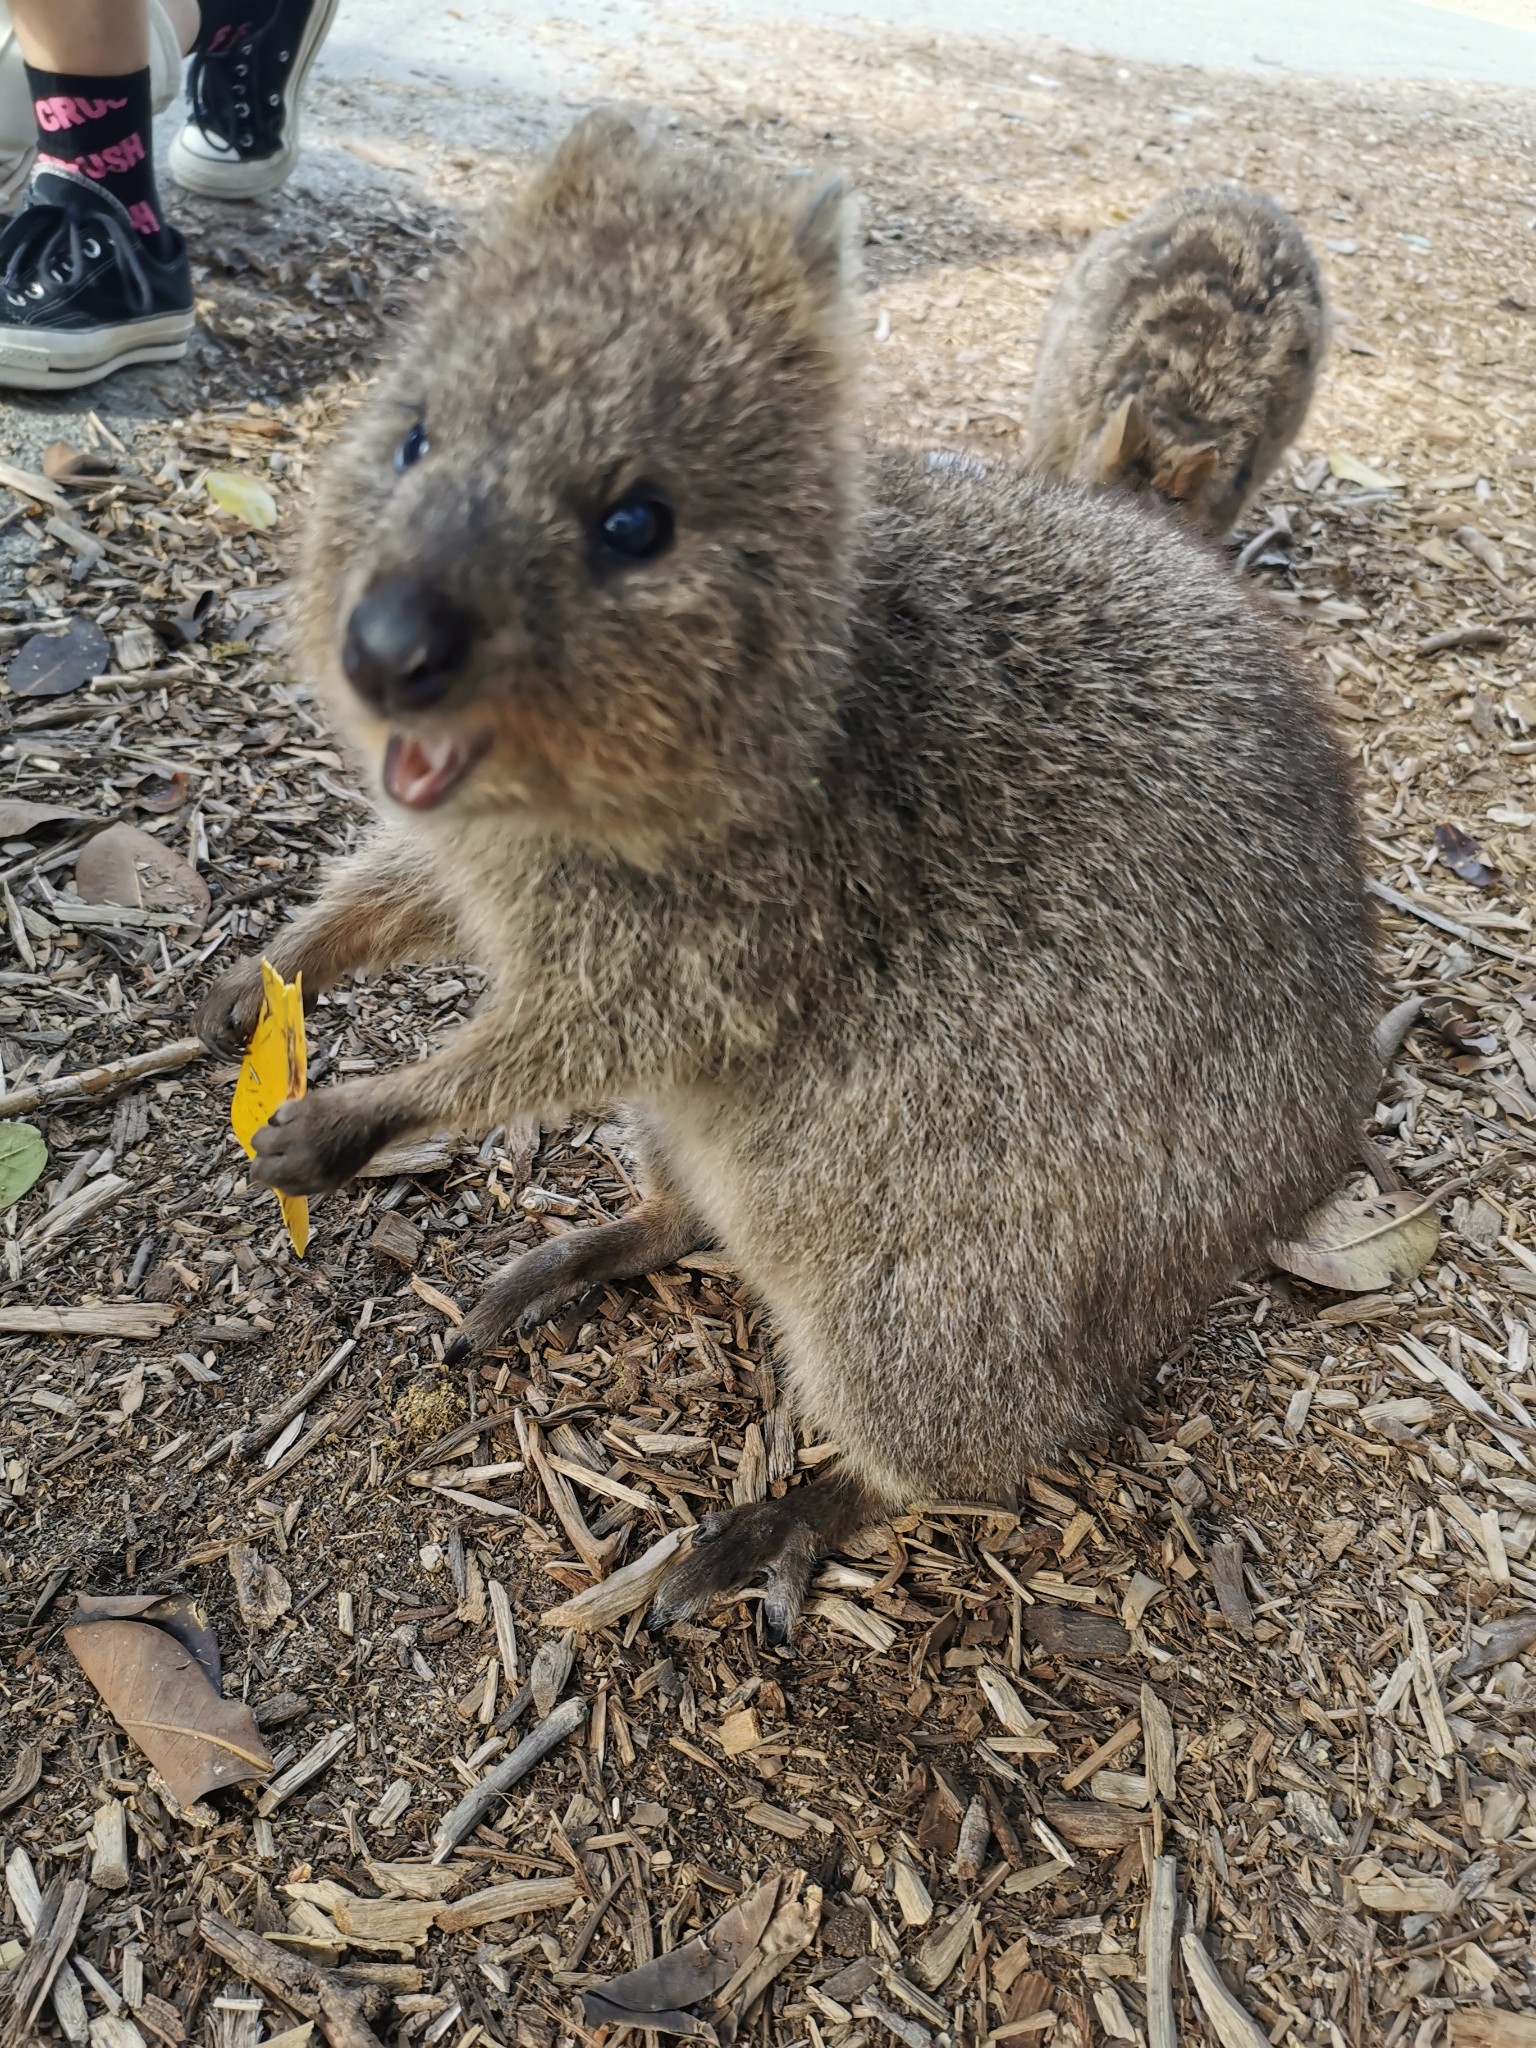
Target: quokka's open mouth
<point x="420" y="772"/>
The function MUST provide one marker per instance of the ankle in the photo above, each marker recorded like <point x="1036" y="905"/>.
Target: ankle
<point x="99" y="128"/>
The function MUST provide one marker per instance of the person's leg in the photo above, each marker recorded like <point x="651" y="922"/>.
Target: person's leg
<point x="248" y="71"/>
<point x="173" y="26"/>
<point x="88" y="68"/>
<point x="105" y="37"/>
<point x="91" y="276"/>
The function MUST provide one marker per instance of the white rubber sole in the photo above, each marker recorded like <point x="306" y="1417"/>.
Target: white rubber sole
<point x="212" y="178"/>
<point x="33" y="360"/>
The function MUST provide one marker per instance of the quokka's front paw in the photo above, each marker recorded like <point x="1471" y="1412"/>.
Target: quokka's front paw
<point x="227" y="1015"/>
<point x="313" y="1144"/>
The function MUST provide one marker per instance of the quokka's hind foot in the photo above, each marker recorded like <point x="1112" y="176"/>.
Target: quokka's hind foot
<point x="772" y="1543"/>
<point x="656" y="1233"/>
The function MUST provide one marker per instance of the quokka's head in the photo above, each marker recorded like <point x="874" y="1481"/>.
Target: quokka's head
<point x="1135" y="453"/>
<point x="583" y="556"/>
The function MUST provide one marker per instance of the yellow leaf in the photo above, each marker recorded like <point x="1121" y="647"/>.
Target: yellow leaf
<point x="243" y="496"/>
<point x="1349" y="469"/>
<point x="271" y="1073"/>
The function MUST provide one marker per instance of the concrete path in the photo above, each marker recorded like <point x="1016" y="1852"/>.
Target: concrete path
<point x="1489" y="40"/>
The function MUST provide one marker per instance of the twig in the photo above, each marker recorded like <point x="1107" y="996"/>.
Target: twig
<point x="1259" y="543"/>
<point x="1425" y="1363"/>
<point x="1463" y="636"/>
<point x="337" y="1423"/>
<point x="594" y="1555"/>
<point x="164" y="1059"/>
<point x="1412" y="908"/>
<point x="1161" y="1910"/>
<point x="273" y="1425"/>
<point x="27" y="1899"/>
<point x="1123" y="1737"/>
<point x="1379" y="1166"/>
<point x="593" y="1921"/>
<point x="310" y="1765"/>
<point x="306" y="1989"/>
<point x="537" y="1743"/>
<point x="510" y="1715"/>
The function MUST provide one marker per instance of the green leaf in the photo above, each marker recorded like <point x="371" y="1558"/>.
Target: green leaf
<point x="1350" y="470"/>
<point x="23" y="1155"/>
<point x="243" y="496"/>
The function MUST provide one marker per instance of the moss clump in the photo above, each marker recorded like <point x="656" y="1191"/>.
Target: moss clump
<point x="426" y="1411"/>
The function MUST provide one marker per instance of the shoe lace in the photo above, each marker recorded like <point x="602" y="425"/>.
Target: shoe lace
<point x="47" y="242"/>
<point x="226" y="94"/>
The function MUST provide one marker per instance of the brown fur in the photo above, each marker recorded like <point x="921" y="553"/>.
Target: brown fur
<point x="1181" y="353"/>
<point x="951" y="870"/>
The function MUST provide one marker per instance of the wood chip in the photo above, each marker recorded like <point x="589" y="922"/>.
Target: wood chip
<point x="122" y="1319"/>
<point x="507" y="1902"/>
<point x="1158" y="1746"/>
<point x="1229" y="2021"/>
<point x="309" y="1766"/>
<point x="1225" y="1562"/>
<point x="1157" y="1949"/>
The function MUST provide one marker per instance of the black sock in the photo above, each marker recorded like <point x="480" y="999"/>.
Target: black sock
<point x="101" y="128"/>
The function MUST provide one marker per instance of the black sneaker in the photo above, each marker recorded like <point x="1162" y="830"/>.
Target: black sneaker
<point x="243" y="137"/>
<point x="82" y="292"/>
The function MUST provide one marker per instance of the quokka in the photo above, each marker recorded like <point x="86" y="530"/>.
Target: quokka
<point x="952" y="874"/>
<point x="1181" y="353"/>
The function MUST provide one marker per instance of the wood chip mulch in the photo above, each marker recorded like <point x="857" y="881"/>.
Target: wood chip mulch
<point x="1233" y="1730"/>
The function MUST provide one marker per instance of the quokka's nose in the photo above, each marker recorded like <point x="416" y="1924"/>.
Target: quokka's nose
<point x="405" y="643"/>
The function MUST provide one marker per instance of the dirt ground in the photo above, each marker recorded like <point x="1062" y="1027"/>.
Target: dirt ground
<point x="1275" y="1649"/>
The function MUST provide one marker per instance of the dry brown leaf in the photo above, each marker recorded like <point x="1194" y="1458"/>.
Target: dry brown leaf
<point x="20" y="819"/>
<point x="52" y="664"/>
<point x="654" y="1995"/>
<point x="163" y="793"/>
<point x="126" y="866"/>
<point x="155" y="1664"/>
<point x="1362" y="1243"/>
<point x="1504" y="1640"/>
<point x="262" y="1591"/>
<point x="64" y="464"/>
<point x="1460" y="852"/>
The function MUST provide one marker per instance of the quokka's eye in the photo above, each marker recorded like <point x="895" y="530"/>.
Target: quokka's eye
<point x="412" y="448"/>
<point x="638" y="528"/>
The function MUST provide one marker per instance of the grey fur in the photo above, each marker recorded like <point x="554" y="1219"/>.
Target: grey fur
<point x="951" y="870"/>
<point x="1181" y="353"/>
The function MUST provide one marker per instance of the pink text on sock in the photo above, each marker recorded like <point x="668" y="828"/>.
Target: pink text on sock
<point x="66" y="111"/>
<point x="116" y="158"/>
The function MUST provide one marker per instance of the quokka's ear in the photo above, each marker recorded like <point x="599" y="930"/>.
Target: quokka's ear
<point x="826" y="239"/>
<point x="1123" y="440"/>
<point x="1188" y="476"/>
<point x="601" y="141"/>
